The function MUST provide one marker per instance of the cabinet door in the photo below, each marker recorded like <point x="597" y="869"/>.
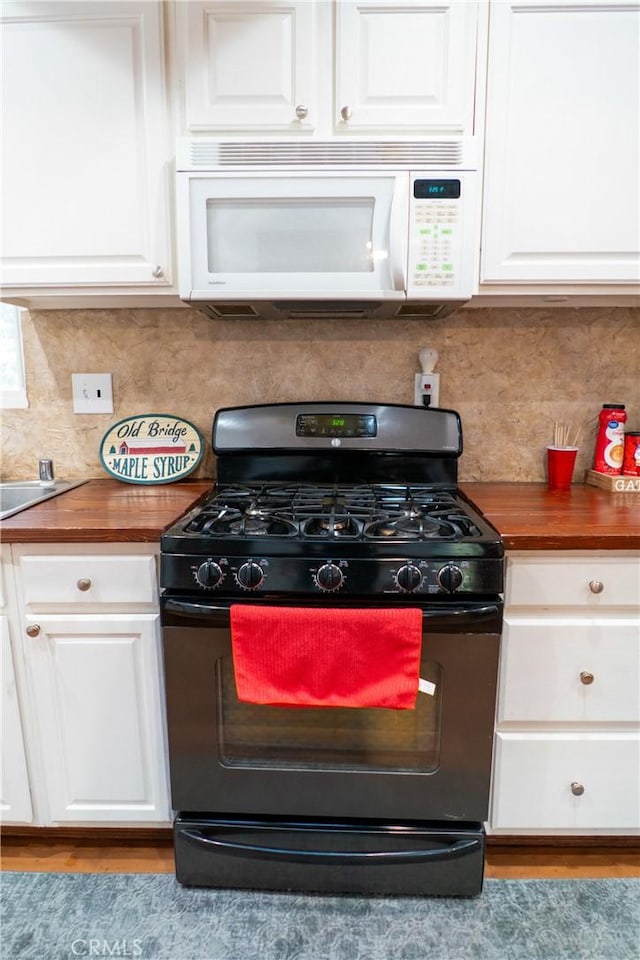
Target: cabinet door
<point x="96" y="693"/>
<point x="579" y="782"/>
<point x="249" y="65"/>
<point x="15" y="797"/>
<point x="405" y="66"/>
<point x="85" y="144"/>
<point x="562" y="142"/>
<point x="570" y="669"/>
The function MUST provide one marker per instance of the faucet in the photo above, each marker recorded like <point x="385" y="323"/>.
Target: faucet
<point x="45" y="471"/>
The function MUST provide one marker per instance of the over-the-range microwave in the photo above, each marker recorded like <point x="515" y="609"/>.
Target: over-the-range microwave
<point x="306" y="229"/>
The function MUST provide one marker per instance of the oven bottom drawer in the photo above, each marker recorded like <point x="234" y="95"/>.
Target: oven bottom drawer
<point x="365" y="857"/>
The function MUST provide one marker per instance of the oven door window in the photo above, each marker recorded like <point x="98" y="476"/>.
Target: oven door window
<point x="331" y="738"/>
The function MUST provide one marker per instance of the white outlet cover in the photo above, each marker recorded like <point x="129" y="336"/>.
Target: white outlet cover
<point x="427" y="384"/>
<point x="92" y="392"/>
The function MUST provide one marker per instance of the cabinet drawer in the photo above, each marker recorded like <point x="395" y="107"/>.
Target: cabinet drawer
<point x="574" y="669"/>
<point x="87" y="579"/>
<point x="577" y="581"/>
<point x="535" y="773"/>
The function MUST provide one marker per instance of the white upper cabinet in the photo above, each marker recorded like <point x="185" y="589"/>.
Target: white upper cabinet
<point x="249" y="66"/>
<point x="407" y="66"/>
<point x="85" y="178"/>
<point x="561" y="201"/>
<point x="319" y="67"/>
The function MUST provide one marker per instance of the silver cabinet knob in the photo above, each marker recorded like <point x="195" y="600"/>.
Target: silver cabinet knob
<point x="596" y="586"/>
<point x="577" y="789"/>
<point x="33" y="629"/>
<point x="586" y="678"/>
<point x="345" y="113"/>
<point x="302" y="112"/>
<point x="158" y="272"/>
<point x="84" y="584"/>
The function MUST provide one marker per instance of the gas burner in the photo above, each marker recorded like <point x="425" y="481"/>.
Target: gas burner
<point x="331" y="527"/>
<point x="257" y="526"/>
<point x="408" y="525"/>
<point x="231" y="522"/>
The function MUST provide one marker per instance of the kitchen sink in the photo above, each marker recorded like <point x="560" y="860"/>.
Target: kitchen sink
<point x="17" y="495"/>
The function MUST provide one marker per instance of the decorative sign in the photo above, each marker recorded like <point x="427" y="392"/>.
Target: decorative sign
<point x="152" y="448"/>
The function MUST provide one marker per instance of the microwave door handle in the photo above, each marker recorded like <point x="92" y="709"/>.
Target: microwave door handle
<point x="398" y="233"/>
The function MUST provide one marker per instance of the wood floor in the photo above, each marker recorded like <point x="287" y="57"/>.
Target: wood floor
<point x="69" y="855"/>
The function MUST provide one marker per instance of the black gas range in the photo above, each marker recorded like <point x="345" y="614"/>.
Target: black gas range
<point x="322" y="515"/>
<point x="341" y="499"/>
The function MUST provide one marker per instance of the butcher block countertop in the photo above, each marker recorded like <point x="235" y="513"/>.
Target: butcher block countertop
<point x="527" y="515"/>
<point x="104" y="511"/>
<point x="531" y="517"/>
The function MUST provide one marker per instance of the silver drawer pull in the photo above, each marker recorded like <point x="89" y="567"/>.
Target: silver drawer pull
<point x="302" y="112"/>
<point x="577" y="789"/>
<point x="84" y="584"/>
<point x="33" y="629"/>
<point x="346" y="113"/>
<point x="586" y="678"/>
<point x="596" y="586"/>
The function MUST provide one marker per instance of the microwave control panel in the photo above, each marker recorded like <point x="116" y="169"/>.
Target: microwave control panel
<point x="440" y="228"/>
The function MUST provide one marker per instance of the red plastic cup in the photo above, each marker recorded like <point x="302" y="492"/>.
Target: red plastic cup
<point x="560" y="464"/>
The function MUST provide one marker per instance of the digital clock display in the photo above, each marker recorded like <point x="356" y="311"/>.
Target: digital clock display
<point x="436" y="189"/>
<point x="336" y="425"/>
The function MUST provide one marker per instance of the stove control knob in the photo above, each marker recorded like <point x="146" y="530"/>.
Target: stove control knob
<point x="250" y="575"/>
<point x="209" y="574"/>
<point x="329" y="577"/>
<point x="408" y="578"/>
<point x="449" y="577"/>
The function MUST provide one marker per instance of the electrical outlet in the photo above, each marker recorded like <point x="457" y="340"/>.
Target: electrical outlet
<point x="92" y="392"/>
<point x="427" y="388"/>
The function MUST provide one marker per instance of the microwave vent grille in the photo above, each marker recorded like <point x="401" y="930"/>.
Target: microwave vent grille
<point x="206" y="153"/>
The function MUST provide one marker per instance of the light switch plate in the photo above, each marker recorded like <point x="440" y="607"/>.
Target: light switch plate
<point x="92" y="392"/>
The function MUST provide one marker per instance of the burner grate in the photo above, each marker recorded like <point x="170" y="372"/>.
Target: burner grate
<point x="383" y="512"/>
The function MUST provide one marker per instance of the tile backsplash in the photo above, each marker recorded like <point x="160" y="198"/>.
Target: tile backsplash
<point x="509" y="372"/>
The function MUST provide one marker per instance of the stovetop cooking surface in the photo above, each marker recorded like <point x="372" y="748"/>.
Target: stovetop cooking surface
<point x="305" y="502"/>
<point x="329" y="512"/>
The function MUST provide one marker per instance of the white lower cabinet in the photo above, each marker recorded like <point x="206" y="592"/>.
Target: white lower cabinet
<point x="15" y="794"/>
<point x="93" y="705"/>
<point x="567" y="748"/>
<point x="95" y="681"/>
<point x="578" y="782"/>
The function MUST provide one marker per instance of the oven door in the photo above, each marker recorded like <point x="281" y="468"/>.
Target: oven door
<point x="430" y="763"/>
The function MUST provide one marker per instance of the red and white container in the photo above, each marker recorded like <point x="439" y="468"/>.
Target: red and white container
<point x="610" y="441"/>
<point x="631" y="462"/>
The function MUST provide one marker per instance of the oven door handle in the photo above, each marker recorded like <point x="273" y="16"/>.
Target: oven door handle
<point x="219" y="615"/>
<point x="449" y="849"/>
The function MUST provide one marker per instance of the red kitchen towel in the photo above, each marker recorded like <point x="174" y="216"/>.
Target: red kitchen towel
<point x="299" y="656"/>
